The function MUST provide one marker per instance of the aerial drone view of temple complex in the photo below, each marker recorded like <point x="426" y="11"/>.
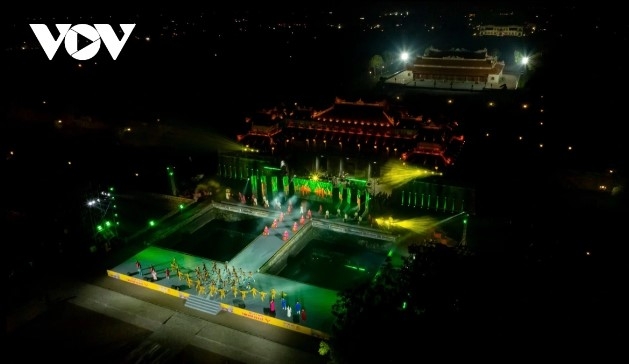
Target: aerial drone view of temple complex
<point x="348" y="151"/>
<point x="357" y="130"/>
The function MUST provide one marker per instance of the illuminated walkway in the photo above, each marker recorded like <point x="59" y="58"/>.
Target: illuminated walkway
<point x="260" y="250"/>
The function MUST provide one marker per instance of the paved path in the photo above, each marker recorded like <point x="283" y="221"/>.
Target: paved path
<point x="111" y="321"/>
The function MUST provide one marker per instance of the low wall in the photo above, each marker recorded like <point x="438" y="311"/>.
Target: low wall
<point x="225" y="307"/>
<point x="349" y="229"/>
<point x="244" y="209"/>
<point x="278" y="261"/>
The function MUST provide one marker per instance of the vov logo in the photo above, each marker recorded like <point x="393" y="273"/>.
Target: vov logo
<point x="70" y="36"/>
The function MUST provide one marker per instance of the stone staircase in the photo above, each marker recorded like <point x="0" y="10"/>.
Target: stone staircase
<point x="203" y="304"/>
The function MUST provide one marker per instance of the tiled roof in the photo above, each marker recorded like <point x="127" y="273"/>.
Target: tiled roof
<point x="454" y="62"/>
<point x="457" y="63"/>
<point x="436" y="53"/>
<point x="262" y="118"/>
<point x="301" y="114"/>
<point x="362" y="112"/>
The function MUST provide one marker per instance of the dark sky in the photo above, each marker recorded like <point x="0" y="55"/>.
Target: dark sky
<point x="199" y="59"/>
<point x="206" y="60"/>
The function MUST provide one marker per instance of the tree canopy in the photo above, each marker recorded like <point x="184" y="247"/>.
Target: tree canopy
<point x="447" y="303"/>
<point x="375" y="64"/>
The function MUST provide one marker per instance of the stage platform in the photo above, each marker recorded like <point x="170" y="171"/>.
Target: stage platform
<point x="251" y="298"/>
<point x="316" y="301"/>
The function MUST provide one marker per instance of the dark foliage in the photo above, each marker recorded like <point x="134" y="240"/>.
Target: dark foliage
<point x="446" y="303"/>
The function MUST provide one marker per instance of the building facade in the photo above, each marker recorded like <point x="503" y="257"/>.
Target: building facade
<point x="500" y="30"/>
<point x="457" y="66"/>
<point x="357" y="132"/>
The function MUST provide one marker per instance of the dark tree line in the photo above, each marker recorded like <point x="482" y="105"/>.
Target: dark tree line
<point x="447" y="303"/>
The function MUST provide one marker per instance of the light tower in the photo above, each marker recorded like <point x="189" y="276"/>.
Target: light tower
<point x="171" y="179"/>
<point x="464" y="237"/>
<point x="103" y="216"/>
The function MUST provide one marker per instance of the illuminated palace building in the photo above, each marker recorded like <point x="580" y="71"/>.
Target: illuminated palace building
<point x="457" y="66"/>
<point x="343" y="153"/>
